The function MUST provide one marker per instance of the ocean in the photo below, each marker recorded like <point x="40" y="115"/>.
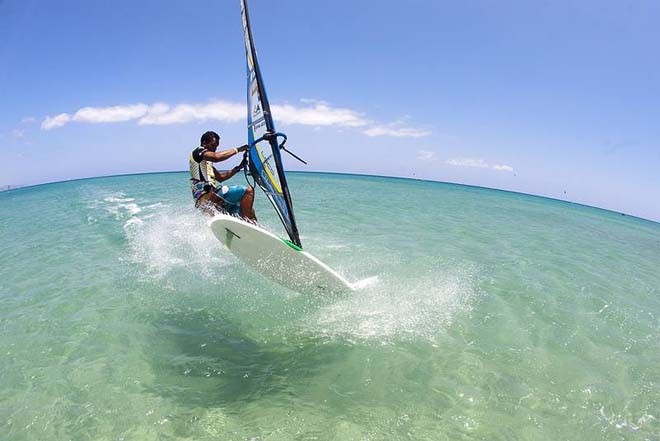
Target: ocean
<point x="484" y="315"/>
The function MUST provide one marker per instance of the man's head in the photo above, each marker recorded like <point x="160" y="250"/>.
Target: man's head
<point x="210" y="140"/>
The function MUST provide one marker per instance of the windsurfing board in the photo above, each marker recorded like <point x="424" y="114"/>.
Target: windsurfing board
<point x="276" y="258"/>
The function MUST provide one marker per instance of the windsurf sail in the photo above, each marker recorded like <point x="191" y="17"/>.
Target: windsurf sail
<point x="264" y="157"/>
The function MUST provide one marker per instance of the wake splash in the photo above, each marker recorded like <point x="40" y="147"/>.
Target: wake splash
<point x="115" y="204"/>
<point x="174" y="243"/>
<point x="390" y="309"/>
<point x="166" y="244"/>
<point x="173" y="248"/>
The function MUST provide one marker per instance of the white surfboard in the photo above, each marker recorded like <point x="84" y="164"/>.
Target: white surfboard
<point x="277" y="259"/>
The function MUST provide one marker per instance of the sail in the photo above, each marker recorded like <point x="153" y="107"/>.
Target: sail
<point x="264" y="153"/>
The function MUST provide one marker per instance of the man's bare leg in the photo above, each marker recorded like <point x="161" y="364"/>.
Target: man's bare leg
<point x="247" y="202"/>
<point x="210" y="204"/>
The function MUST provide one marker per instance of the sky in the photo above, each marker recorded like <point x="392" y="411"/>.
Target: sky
<point x="552" y="98"/>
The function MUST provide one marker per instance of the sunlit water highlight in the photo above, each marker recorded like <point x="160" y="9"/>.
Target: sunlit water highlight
<point x="483" y="315"/>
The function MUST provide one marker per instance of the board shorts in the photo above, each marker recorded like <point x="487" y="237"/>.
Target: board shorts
<point x="230" y="195"/>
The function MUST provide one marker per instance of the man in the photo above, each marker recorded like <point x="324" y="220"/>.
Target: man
<point x="209" y="195"/>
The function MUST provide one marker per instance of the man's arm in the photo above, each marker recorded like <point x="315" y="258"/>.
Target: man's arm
<point x="223" y="176"/>
<point x="223" y="155"/>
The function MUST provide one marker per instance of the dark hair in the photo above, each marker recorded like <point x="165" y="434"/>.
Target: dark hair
<point x="208" y="137"/>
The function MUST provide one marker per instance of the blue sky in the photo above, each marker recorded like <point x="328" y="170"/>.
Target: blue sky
<point x="560" y="99"/>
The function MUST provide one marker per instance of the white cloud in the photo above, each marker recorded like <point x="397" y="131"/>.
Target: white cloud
<point x="18" y="133"/>
<point x="507" y="168"/>
<point x="313" y="101"/>
<point x="425" y="155"/>
<point x="477" y="163"/>
<point x="398" y="132"/>
<point x="467" y="162"/>
<point x="110" y="114"/>
<point x="163" y="114"/>
<point x="312" y="112"/>
<point x="319" y="114"/>
<point x="55" y="121"/>
<point x="157" y="113"/>
<point x="28" y="120"/>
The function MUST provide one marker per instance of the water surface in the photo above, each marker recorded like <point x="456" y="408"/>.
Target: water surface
<point x="489" y="315"/>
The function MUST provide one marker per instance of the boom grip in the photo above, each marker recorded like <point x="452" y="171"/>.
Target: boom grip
<point x="272" y="135"/>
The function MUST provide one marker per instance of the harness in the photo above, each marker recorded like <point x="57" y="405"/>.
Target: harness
<point x="201" y="171"/>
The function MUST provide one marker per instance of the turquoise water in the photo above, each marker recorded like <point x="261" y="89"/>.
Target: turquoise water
<point x="487" y="315"/>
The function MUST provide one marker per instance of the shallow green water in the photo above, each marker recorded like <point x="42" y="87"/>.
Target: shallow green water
<point x="487" y="315"/>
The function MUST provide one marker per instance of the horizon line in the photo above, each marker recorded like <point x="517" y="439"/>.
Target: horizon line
<point x="346" y="174"/>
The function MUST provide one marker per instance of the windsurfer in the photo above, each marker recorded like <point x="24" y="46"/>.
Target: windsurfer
<point x="211" y="196"/>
